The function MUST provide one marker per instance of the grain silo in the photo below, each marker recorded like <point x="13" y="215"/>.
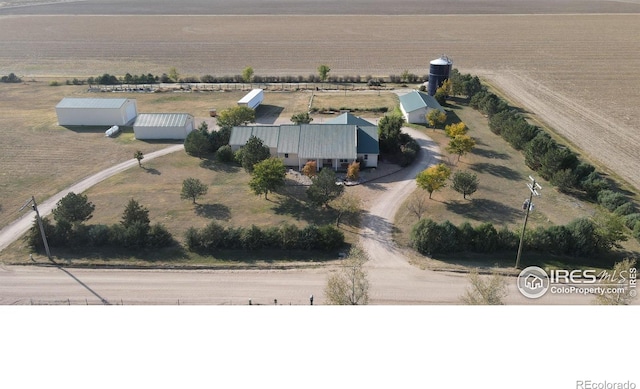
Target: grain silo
<point x="439" y="70"/>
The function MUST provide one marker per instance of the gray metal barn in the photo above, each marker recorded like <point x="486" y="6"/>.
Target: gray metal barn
<point x="96" y="112"/>
<point x="163" y="126"/>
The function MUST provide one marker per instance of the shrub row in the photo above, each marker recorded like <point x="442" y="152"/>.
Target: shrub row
<point x="214" y="237"/>
<point x="65" y="234"/>
<point x="110" y="79"/>
<point x="579" y="238"/>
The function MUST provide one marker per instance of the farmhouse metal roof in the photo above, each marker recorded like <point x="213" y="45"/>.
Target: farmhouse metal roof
<point x="328" y="141"/>
<point x="313" y="141"/>
<point x="417" y="100"/>
<point x="268" y="134"/>
<point x="161" y="120"/>
<point x="368" y="140"/>
<point x="72" y="102"/>
<point x="347" y="118"/>
<point x="289" y="139"/>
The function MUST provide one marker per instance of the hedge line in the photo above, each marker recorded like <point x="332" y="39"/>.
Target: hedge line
<point x="580" y="238"/>
<point x="214" y="237"/>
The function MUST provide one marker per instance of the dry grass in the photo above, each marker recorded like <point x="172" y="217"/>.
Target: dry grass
<point x="503" y="176"/>
<point x="354" y="101"/>
<point x="229" y="201"/>
<point x="40" y="158"/>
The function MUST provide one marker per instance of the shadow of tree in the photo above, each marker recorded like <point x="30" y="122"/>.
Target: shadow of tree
<point x="496" y="170"/>
<point x="213" y="211"/>
<point x="219" y="166"/>
<point x="151" y="170"/>
<point x="485" y="210"/>
<point x="491" y="154"/>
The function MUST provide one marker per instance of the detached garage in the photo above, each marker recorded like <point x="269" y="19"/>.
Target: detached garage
<point x="96" y="112"/>
<point x="163" y="126"/>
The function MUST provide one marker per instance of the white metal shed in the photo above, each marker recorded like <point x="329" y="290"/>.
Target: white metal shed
<point x="163" y="126"/>
<point x="96" y="111"/>
<point x="252" y="99"/>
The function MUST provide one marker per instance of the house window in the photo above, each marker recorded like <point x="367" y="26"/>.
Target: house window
<point x="344" y="161"/>
<point x="366" y="157"/>
<point x="286" y="155"/>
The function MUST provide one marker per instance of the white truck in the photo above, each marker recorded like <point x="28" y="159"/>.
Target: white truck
<point x="252" y="99"/>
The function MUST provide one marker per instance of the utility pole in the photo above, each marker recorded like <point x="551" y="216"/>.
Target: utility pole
<point x="34" y="205"/>
<point x="528" y="205"/>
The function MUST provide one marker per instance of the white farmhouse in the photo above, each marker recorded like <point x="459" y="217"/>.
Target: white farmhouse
<point x="96" y="112"/>
<point x="416" y="105"/>
<point x="163" y="126"/>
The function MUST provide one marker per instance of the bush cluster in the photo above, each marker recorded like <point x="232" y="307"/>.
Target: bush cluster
<point x="579" y="238"/>
<point x="287" y="237"/>
<point x="11" y="78"/>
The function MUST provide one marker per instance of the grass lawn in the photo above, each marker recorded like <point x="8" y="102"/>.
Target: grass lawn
<point x="503" y="176"/>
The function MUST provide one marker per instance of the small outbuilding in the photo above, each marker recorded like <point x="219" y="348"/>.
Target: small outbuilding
<point x="416" y="105"/>
<point x="96" y="112"/>
<point x="252" y="99"/>
<point x="163" y="126"/>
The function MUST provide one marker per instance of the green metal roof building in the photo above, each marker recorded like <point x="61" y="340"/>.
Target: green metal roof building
<point x="330" y="145"/>
<point x="416" y="105"/>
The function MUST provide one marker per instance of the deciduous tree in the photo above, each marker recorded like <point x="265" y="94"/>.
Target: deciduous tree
<point x="461" y="144"/>
<point x="417" y="204"/>
<point x="453" y="130"/>
<point x="139" y="156"/>
<point x="310" y="169"/>
<point x="247" y="74"/>
<point x="490" y="291"/>
<point x="433" y="178"/>
<point x="347" y="205"/>
<point x="193" y="188"/>
<point x="236" y="116"/>
<point x="353" y="171"/>
<point x="301" y="118"/>
<point x="349" y="285"/>
<point x="267" y="176"/>
<point x="323" y="72"/>
<point x="465" y="183"/>
<point x="435" y="117"/>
